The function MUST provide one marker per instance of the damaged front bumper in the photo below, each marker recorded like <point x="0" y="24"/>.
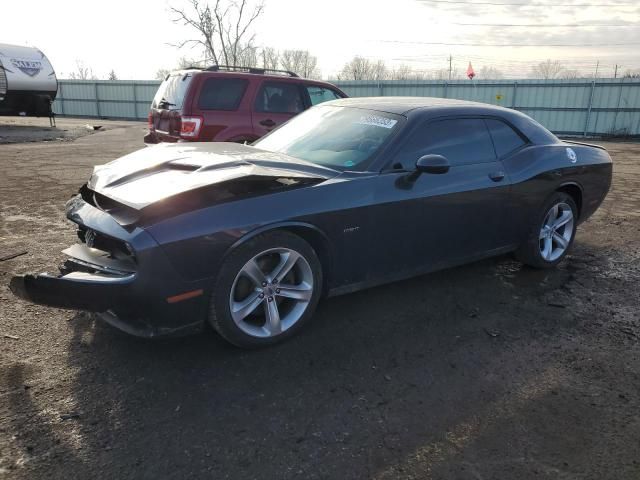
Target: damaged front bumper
<point x="131" y="292"/>
<point x="89" y="280"/>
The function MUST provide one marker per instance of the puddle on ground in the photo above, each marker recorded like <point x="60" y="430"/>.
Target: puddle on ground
<point x="515" y="274"/>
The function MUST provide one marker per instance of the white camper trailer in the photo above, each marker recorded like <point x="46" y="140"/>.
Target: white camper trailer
<point x="28" y="84"/>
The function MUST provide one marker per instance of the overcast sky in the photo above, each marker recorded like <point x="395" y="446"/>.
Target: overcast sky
<point x="132" y="36"/>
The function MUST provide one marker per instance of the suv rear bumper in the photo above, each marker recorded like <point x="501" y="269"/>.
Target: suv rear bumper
<point x="151" y="138"/>
<point x="154" y="137"/>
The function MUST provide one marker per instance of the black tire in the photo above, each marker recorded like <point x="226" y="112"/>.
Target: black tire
<point x="529" y="251"/>
<point x="219" y="308"/>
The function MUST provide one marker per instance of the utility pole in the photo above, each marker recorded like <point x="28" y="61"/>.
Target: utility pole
<point x="450" y="59"/>
<point x="615" y="72"/>
<point x="595" y="75"/>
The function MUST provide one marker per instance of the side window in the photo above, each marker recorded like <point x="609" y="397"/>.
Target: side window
<point x="463" y="141"/>
<point x="505" y="138"/>
<point x="276" y="97"/>
<point x="321" y="94"/>
<point x="222" y="93"/>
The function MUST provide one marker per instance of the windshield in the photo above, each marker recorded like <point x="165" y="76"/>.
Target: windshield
<point x="171" y="92"/>
<point x="337" y="137"/>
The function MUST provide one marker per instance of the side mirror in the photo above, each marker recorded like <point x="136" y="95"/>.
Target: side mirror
<point x="432" y="164"/>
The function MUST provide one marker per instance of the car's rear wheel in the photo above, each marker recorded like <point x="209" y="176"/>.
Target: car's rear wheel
<point x="551" y="234"/>
<point x="267" y="289"/>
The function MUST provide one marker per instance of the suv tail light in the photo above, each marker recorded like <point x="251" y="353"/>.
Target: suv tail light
<point x="190" y="127"/>
<point x="150" y="120"/>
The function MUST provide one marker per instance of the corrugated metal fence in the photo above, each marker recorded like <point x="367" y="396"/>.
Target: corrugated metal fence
<point x="124" y="99"/>
<point x="575" y="107"/>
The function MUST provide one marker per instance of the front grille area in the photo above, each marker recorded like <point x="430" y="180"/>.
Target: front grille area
<point x="117" y="249"/>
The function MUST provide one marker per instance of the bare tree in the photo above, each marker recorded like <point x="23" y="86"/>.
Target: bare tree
<point x="112" y="75"/>
<point x="547" y="70"/>
<point x="162" y="73"/>
<point x="223" y="28"/>
<point x="446" y="74"/>
<point x="571" y="74"/>
<point x="402" y="72"/>
<point x="490" y="73"/>
<point x="300" y="62"/>
<point x="631" y="74"/>
<point x="248" y="57"/>
<point x="82" y="72"/>
<point x="360" y="68"/>
<point x="184" y="63"/>
<point x="270" y="58"/>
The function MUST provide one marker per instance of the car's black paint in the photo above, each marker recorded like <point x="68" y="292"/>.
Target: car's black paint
<point x="367" y="227"/>
<point x="432" y="163"/>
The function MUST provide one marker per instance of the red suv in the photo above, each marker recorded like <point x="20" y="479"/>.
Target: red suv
<point x="230" y="104"/>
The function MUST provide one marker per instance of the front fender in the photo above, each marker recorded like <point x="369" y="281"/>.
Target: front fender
<point x="285" y="225"/>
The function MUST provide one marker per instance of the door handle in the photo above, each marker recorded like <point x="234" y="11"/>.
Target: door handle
<point x="496" y="176"/>
<point x="268" y="122"/>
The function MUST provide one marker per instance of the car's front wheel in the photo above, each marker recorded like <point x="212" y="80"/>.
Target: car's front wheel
<point x="267" y="289"/>
<point x="551" y="234"/>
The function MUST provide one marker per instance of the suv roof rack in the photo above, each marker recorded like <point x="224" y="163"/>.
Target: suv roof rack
<point x="256" y="70"/>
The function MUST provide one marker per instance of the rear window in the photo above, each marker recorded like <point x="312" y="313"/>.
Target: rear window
<point x="222" y="93"/>
<point x="171" y="93"/>
<point x="505" y="138"/>
<point x="321" y="94"/>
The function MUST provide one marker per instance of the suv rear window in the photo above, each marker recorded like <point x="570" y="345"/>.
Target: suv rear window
<point x="222" y="93"/>
<point x="171" y="93"/>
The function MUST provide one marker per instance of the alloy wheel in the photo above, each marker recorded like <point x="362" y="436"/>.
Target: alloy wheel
<point x="271" y="292"/>
<point x="556" y="232"/>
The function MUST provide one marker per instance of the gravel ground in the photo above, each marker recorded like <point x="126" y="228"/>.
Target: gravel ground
<point x="487" y="371"/>
<point x="30" y="129"/>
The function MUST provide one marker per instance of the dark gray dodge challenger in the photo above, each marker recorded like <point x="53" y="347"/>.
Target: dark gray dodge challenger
<point x="350" y="194"/>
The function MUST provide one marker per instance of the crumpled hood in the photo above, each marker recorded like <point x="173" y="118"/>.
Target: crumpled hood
<point x="156" y="173"/>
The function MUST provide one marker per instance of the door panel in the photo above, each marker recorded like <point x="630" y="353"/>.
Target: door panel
<point x="275" y="103"/>
<point x="438" y="219"/>
<point x="220" y="104"/>
<point x="430" y="220"/>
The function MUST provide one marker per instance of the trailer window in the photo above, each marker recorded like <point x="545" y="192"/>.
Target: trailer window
<point x="172" y="91"/>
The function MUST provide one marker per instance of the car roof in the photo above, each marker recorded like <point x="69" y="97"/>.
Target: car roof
<point x="416" y="108"/>
<point x="403" y="105"/>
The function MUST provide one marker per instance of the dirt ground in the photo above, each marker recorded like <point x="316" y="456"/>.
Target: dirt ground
<point x="488" y="371"/>
<point x="28" y="129"/>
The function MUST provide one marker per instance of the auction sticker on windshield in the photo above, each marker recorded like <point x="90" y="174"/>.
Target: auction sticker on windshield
<point x="377" y="121"/>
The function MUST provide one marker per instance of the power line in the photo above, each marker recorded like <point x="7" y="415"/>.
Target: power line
<point x="447" y="44"/>
<point x="538" y="25"/>
<point x="544" y="5"/>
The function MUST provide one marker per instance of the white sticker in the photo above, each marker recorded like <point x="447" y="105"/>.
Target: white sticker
<point x="571" y="155"/>
<point x="377" y="121"/>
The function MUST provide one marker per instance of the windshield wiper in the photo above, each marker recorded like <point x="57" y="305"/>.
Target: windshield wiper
<point x="165" y="103"/>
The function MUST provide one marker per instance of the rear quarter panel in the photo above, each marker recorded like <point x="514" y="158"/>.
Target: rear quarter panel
<point x="537" y="171"/>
